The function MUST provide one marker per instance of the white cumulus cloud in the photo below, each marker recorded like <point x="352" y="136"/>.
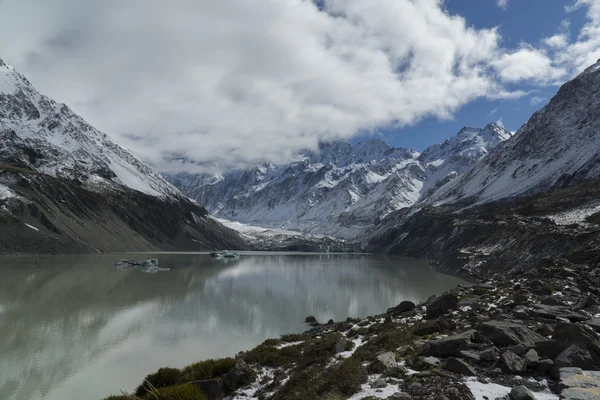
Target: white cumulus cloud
<point x="238" y="81"/>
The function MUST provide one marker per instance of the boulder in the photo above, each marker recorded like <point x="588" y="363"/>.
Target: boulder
<point x="491" y="354"/>
<point x="441" y="304"/>
<point x="545" y="365"/>
<point x="382" y="363"/>
<point x="594" y="324"/>
<point x="212" y="388"/>
<point x="459" y="367"/>
<point x="448" y="347"/>
<point x="339" y="346"/>
<point x="402" y="307"/>
<point x="378" y="384"/>
<point x="521" y="393"/>
<point x="513" y="362"/>
<point x="433" y="361"/>
<point x="400" y="396"/>
<point x="434" y="326"/>
<point x="555" y="312"/>
<point x="545" y="330"/>
<point x="569" y="334"/>
<point x="549" y="348"/>
<point x="518" y="349"/>
<point x="576" y="384"/>
<point x="532" y="358"/>
<point x="240" y="375"/>
<point x="573" y="356"/>
<point x="508" y="333"/>
<point x="310" y="319"/>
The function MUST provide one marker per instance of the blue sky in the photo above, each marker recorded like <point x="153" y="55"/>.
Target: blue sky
<point x="521" y="21"/>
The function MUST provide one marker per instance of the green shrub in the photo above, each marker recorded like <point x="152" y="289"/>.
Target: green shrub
<point x="390" y="337"/>
<point x="295" y="338"/>
<point x="162" y="378"/>
<point x="271" y="357"/>
<point x="547" y="289"/>
<point x="208" y="369"/>
<point x="349" y="376"/>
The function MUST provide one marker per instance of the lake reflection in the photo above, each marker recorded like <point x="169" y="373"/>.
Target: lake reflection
<point x="78" y="327"/>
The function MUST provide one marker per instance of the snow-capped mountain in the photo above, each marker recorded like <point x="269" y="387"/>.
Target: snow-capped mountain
<point x="38" y="133"/>
<point x="559" y="145"/>
<point x="67" y="187"/>
<point x="339" y="189"/>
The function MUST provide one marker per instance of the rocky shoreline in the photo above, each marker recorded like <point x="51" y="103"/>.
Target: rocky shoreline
<point x="526" y="335"/>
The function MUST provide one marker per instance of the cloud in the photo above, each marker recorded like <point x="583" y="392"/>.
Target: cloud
<point x="237" y="81"/>
<point x="527" y="63"/>
<point x="535" y="100"/>
<point x="557" y="41"/>
<point x="500" y="123"/>
<point x="503" y="4"/>
<point x="493" y="111"/>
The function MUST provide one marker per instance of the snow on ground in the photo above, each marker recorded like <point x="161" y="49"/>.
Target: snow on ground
<point x="32" y="227"/>
<point x="367" y="390"/>
<point x="254" y="231"/>
<point x="5" y="192"/>
<point x="574" y="216"/>
<point x="250" y="393"/>
<point x="485" y="391"/>
<point x="284" y="345"/>
<point x="357" y="343"/>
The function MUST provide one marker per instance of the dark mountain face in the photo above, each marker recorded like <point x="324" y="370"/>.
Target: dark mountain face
<point x="66" y="187"/>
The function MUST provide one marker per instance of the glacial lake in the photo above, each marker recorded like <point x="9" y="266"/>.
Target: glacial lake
<point x="77" y="327"/>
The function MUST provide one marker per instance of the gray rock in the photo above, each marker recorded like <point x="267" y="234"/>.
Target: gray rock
<point x="441" y="304"/>
<point x="545" y="330"/>
<point x="545" y="365"/>
<point x="448" y="347"/>
<point x="434" y="326"/>
<point x="339" y="346"/>
<point x="576" y="384"/>
<point x="212" y="388"/>
<point x="569" y="334"/>
<point x="382" y="363"/>
<point x="402" y="307"/>
<point x="521" y="393"/>
<point x="469" y="302"/>
<point x="470" y="356"/>
<point x="433" y="361"/>
<point x="573" y="356"/>
<point x="551" y="301"/>
<point x="594" y="324"/>
<point x="556" y="312"/>
<point x="378" y="384"/>
<point x="532" y="358"/>
<point x="549" y="348"/>
<point x="513" y="362"/>
<point x="507" y="333"/>
<point x="310" y="319"/>
<point x="459" y="366"/>
<point x="400" y="396"/>
<point x="518" y="349"/>
<point x="491" y="354"/>
<point x="240" y="375"/>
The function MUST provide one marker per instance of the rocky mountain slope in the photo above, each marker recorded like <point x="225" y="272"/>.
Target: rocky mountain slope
<point x="341" y="189"/>
<point x="534" y="197"/>
<point x="559" y="145"/>
<point x="66" y="187"/>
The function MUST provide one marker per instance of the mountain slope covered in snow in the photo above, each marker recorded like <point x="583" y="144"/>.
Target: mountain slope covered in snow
<point x="558" y="146"/>
<point x="66" y="187"/>
<point x="341" y="189"/>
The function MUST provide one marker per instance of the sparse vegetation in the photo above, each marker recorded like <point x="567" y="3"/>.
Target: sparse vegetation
<point x="162" y="378"/>
<point x="15" y="170"/>
<point x="208" y="369"/>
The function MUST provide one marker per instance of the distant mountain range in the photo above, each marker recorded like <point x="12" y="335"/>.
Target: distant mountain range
<point x="66" y="187"/>
<point x="341" y="189"/>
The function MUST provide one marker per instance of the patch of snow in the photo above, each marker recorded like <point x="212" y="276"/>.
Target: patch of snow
<point x="574" y="216"/>
<point x="357" y="343"/>
<point x="486" y="391"/>
<point x="284" y="345"/>
<point x="249" y="393"/>
<point x="367" y="390"/>
<point x="5" y="192"/>
<point x="32" y="227"/>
